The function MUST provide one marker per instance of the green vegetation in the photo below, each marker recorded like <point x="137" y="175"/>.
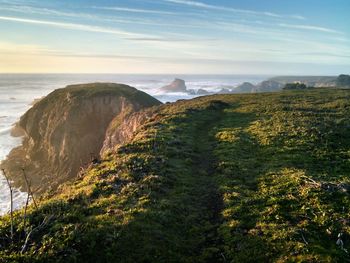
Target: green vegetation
<point x="89" y="90"/>
<point x="295" y="86"/>
<point x="224" y="178"/>
<point x="68" y="126"/>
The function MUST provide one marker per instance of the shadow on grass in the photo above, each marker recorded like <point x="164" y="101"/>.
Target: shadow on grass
<point x="270" y="204"/>
<point x="199" y="187"/>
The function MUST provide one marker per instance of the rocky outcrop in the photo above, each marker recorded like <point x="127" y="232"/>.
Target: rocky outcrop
<point x="310" y="81"/>
<point x="269" y="86"/>
<point x="122" y="129"/>
<point x="67" y="128"/>
<point x="178" y="85"/>
<point x="199" y="92"/>
<point x="245" y="87"/>
<point x="343" y="81"/>
<point x="225" y="91"/>
<point x="203" y="92"/>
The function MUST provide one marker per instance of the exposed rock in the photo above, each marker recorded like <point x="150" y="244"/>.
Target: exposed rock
<point x="225" y="91"/>
<point x="36" y="101"/>
<point x="198" y="92"/>
<point x="310" y="81"/>
<point x="343" y="81"/>
<point x="245" y="87"/>
<point x="65" y="128"/>
<point x="191" y="92"/>
<point x="203" y="92"/>
<point x="178" y="85"/>
<point x="269" y="86"/>
<point x="17" y="131"/>
<point x="122" y="128"/>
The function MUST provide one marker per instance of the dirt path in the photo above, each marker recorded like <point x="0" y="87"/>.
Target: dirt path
<point x="204" y="190"/>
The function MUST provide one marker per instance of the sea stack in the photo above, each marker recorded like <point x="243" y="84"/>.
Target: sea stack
<point x="178" y="85"/>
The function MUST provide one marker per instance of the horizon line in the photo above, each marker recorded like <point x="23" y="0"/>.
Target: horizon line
<point x="189" y="74"/>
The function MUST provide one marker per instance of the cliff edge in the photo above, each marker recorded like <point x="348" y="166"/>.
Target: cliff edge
<point x="67" y="129"/>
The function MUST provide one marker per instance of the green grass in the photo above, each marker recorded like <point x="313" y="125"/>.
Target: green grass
<point x="78" y="92"/>
<point x="224" y="178"/>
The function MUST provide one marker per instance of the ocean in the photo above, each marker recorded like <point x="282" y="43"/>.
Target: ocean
<point x="17" y="92"/>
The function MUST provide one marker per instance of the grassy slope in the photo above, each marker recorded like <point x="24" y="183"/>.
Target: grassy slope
<point x="90" y="90"/>
<point x="241" y="178"/>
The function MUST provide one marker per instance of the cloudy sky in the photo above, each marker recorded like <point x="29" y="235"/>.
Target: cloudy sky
<point x="176" y="36"/>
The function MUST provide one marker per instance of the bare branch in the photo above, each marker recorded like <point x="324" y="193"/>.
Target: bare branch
<point x="28" y="187"/>
<point x="24" y="247"/>
<point x="311" y="180"/>
<point x="43" y="223"/>
<point x="25" y="209"/>
<point x="306" y="243"/>
<point x="11" y="200"/>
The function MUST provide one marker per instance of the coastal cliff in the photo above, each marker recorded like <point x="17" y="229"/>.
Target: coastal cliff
<point x="221" y="178"/>
<point x="66" y="129"/>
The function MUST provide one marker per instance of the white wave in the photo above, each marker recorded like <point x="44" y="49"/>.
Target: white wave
<point x="19" y="197"/>
<point x="5" y="131"/>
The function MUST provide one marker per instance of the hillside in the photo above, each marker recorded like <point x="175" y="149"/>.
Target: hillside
<point x="312" y="81"/>
<point x="222" y="178"/>
<point x="67" y="128"/>
<point x="276" y="84"/>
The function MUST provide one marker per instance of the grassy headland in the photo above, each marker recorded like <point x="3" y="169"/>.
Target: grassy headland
<point x="224" y="178"/>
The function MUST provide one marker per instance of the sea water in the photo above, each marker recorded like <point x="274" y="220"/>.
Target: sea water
<point x="17" y="92"/>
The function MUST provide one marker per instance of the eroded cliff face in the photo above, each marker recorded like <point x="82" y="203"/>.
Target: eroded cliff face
<point x="123" y="127"/>
<point x="67" y="128"/>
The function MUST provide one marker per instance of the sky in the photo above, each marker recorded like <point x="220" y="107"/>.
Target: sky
<point x="279" y="37"/>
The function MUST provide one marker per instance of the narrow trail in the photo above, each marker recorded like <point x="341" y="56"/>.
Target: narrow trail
<point x="204" y="190"/>
<point x="203" y="166"/>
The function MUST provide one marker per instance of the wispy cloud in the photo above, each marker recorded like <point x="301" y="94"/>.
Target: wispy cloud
<point x="37" y="50"/>
<point x="221" y="8"/>
<point x="16" y="2"/>
<point x="229" y="9"/>
<point x="134" y="10"/>
<point x="325" y="54"/>
<point x="135" y="20"/>
<point x="43" y="11"/>
<point x="8" y="47"/>
<point x="73" y="26"/>
<point x="18" y="49"/>
<point x="168" y="38"/>
<point x="298" y="17"/>
<point x="310" y="27"/>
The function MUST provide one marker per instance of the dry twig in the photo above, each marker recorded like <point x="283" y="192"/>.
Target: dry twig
<point x="28" y="188"/>
<point x="11" y="200"/>
<point x="43" y="223"/>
